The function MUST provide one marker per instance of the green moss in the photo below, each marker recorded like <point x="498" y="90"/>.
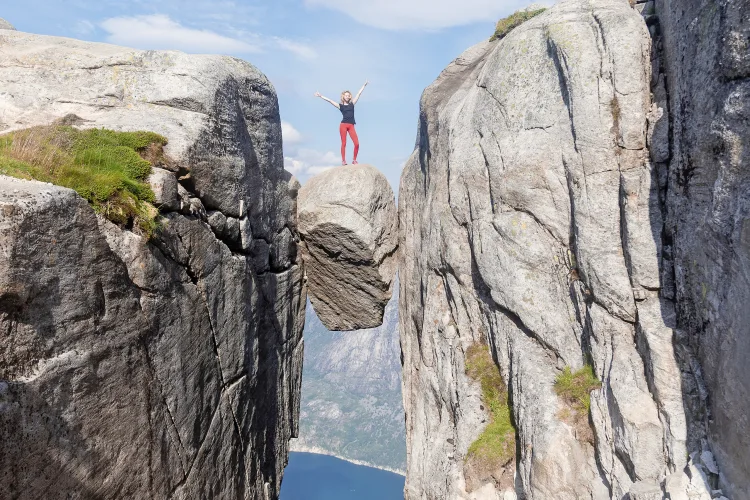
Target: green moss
<point x="575" y="388"/>
<point x="105" y="167"/>
<point x="497" y="444"/>
<point x="508" y="24"/>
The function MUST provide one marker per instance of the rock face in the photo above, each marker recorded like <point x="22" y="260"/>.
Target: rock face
<point x="706" y="47"/>
<point x="532" y="218"/>
<point x="5" y="25"/>
<point x="161" y="369"/>
<point x="349" y="228"/>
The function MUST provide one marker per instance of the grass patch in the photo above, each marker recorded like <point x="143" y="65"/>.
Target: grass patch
<point x="496" y="446"/>
<point x="574" y="388"/>
<point x="103" y="166"/>
<point x="508" y="24"/>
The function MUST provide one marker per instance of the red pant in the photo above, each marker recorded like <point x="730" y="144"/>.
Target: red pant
<point x="343" y="129"/>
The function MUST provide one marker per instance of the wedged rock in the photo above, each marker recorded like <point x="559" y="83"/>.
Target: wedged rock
<point x="349" y="228"/>
<point x="164" y="185"/>
<point x="168" y="368"/>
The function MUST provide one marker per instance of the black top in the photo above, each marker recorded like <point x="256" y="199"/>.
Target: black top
<point x="348" y="111"/>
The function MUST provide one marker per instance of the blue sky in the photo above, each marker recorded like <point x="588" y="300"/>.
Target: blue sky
<point x="303" y="46"/>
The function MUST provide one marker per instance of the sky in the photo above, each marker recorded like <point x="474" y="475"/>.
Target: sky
<point x="302" y="46"/>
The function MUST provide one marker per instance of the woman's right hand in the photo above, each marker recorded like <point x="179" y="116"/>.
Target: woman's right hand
<point x="317" y="94"/>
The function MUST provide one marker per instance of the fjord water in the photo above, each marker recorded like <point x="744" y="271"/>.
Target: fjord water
<point x="310" y="476"/>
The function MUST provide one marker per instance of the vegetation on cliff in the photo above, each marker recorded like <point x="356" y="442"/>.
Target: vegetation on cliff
<point x="508" y="24"/>
<point x="109" y="169"/>
<point x="496" y="446"/>
<point x="574" y="388"/>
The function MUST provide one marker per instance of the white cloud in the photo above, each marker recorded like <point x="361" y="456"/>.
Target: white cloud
<point x="294" y="166"/>
<point x="420" y="14"/>
<point x="290" y="134"/>
<point x="84" y="27"/>
<point x="307" y="162"/>
<point x="161" y="32"/>
<point x="299" y="49"/>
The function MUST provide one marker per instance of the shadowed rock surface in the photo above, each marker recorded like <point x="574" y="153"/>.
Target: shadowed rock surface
<point x="707" y="50"/>
<point x="349" y="228"/>
<point x="161" y="369"/>
<point x="5" y="25"/>
<point x="532" y="219"/>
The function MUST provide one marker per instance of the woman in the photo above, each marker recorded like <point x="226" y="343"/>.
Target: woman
<point x="346" y="106"/>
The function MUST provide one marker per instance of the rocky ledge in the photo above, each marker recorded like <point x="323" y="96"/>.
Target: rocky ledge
<point x="167" y="368"/>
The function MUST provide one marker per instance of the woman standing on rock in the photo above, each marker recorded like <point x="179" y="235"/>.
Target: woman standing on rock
<point x="346" y="106"/>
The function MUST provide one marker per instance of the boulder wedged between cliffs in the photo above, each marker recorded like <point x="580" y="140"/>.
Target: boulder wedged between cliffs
<point x="349" y="229"/>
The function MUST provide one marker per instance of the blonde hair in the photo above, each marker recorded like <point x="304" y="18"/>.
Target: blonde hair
<point x="342" y="96"/>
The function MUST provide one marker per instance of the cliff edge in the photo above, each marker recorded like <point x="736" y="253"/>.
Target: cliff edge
<point x="161" y="368"/>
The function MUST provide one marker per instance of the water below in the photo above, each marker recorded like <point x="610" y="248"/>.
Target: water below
<point x="310" y="476"/>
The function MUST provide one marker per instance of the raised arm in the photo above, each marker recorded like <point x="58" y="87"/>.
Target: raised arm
<point x="317" y="94"/>
<point x="354" y="101"/>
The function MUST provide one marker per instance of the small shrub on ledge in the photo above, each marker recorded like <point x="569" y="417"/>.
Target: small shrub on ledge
<point x="489" y="456"/>
<point x="508" y="24"/>
<point x="574" y="388"/>
<point x="103" y="166"/>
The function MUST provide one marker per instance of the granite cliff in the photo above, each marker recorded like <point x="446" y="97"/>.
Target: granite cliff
<point x="167" y="368"/>
<point x="577" y="202"/>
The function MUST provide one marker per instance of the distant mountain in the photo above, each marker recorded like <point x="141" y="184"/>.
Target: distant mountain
<point x="351" y="393"/>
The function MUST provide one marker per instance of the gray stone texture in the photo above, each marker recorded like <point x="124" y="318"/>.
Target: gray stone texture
<point x="348" y="223"/>
<point x="707" y="50"/>
<point x="532" y="218"/>
<point x="164" y="185"/>
<point x="219" y="113"/>
<point x="161" y="369"/>
<point x="5" y="25"/>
